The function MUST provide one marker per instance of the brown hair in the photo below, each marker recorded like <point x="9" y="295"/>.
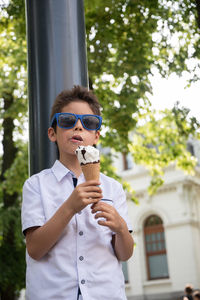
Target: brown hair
<point x="76" y="93"/>
<point x="196" y="294"/>
<point x="188" y="289"/>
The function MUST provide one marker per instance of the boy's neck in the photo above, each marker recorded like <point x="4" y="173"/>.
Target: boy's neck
<point x="72" y="164"/>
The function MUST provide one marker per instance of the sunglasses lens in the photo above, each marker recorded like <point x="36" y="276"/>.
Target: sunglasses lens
<point x="66" y="121"/>
<point x="91" y="122"/>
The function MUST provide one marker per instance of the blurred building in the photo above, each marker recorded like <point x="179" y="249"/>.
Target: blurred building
<point x="166" y="232"/>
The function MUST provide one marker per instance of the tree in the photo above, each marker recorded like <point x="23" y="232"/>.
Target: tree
<point x="14" y="158"/>
<point x="162" y="140"/>
<point x="127" y="41"/>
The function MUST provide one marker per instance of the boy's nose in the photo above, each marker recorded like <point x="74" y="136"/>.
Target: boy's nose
<point x="78" y="125"/>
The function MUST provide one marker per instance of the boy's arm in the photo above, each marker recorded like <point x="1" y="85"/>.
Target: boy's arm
<point x="123" y="244"/>
<point x="39" y="240"/>
<point x="122" y="241"/>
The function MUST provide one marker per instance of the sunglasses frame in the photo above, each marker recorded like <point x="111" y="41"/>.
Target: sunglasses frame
<point x="78" y="117"/>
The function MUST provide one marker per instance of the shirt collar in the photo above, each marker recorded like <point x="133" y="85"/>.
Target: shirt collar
<point x="59" y="170"/>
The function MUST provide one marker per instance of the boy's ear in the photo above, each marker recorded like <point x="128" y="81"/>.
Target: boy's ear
<point x="97" y="136"/>
<point x="52" y="134"/>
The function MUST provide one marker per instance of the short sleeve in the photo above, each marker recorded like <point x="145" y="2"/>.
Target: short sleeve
<point x="32" y="209"/>
<point x="120" y="204"/>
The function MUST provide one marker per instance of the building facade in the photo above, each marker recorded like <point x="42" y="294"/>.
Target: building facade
<point x="166" y="233"/>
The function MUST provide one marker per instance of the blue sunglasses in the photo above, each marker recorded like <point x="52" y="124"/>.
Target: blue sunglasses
<point x="68" y="120"/>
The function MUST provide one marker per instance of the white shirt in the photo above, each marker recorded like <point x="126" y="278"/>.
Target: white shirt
<point x="83" y="256"/>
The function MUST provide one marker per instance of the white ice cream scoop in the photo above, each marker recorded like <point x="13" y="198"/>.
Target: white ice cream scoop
<point x="87" y="155"/>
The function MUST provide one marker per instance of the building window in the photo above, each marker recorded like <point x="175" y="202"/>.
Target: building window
<point x="127" y="161"/>
<point x="156" y="255"/>
<point x="190" y="148"/>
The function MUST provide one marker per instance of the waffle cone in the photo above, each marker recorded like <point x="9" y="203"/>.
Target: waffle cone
<point x="91" y="171"/>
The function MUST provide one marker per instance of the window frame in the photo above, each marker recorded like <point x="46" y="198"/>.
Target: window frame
<point x="153" y="229"/>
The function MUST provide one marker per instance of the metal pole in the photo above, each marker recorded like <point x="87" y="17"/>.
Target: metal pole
<point x="56" y="61"/>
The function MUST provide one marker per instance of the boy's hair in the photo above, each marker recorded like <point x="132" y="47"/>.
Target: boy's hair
<point x="76" y="93"/>
<point x="189" y="289"/>
<point x="196" y="294"/>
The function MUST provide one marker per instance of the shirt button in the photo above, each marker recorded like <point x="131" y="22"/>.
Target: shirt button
<point x="80" y="232"/>
<point x="83" y="281"/>
<point x="81" y="258"/>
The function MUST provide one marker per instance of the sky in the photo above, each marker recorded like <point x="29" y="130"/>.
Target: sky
<point x="168" y="91"/>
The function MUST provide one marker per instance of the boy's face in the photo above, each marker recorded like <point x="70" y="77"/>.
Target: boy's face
<point x="69" y="139"/>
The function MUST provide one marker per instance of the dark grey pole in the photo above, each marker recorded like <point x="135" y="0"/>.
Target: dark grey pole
<point x="56" y="61"/>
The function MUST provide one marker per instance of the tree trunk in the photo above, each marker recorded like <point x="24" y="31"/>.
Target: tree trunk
<point x="8" y="242"/>
<point x="8" y="294"/>
<point x="198" y="12"/>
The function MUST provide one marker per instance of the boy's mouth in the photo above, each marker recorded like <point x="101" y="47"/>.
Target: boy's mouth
<point x="76" y="138"/>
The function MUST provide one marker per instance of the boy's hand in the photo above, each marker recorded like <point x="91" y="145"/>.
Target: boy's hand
<point x="113" y="220"/>
<point x="86" y="193"/>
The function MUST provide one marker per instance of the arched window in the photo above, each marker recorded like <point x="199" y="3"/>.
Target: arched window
<point x="156" y="255"/>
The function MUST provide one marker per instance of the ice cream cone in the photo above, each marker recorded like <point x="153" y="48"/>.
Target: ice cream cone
<point x="91" y="171"/>
<point x="88" y="158"/>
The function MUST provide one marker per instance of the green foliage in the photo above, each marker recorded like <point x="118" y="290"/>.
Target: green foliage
<point x="12" y="86"/>
<point x="13" y="272"/>
<point x="162" y="140"/>
<point x="108" y="169"/>
<point x="18" y="172"/>
<point x="119" y="45"/>
<point x="126" y="41"/>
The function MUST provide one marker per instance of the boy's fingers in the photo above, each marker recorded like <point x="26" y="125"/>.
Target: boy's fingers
<point x="93" y="200"/>
<point x="91" y="182"/>
<point x="89" y="189"/>
<point x="104" y="223"/>
<point x="92" y="189"/>
<point x="100" y="206"/>
<point x="102" y="215"/>
<point x="92" y="195"/>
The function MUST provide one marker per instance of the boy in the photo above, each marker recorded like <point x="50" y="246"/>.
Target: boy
<point x="71" y="253"/>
